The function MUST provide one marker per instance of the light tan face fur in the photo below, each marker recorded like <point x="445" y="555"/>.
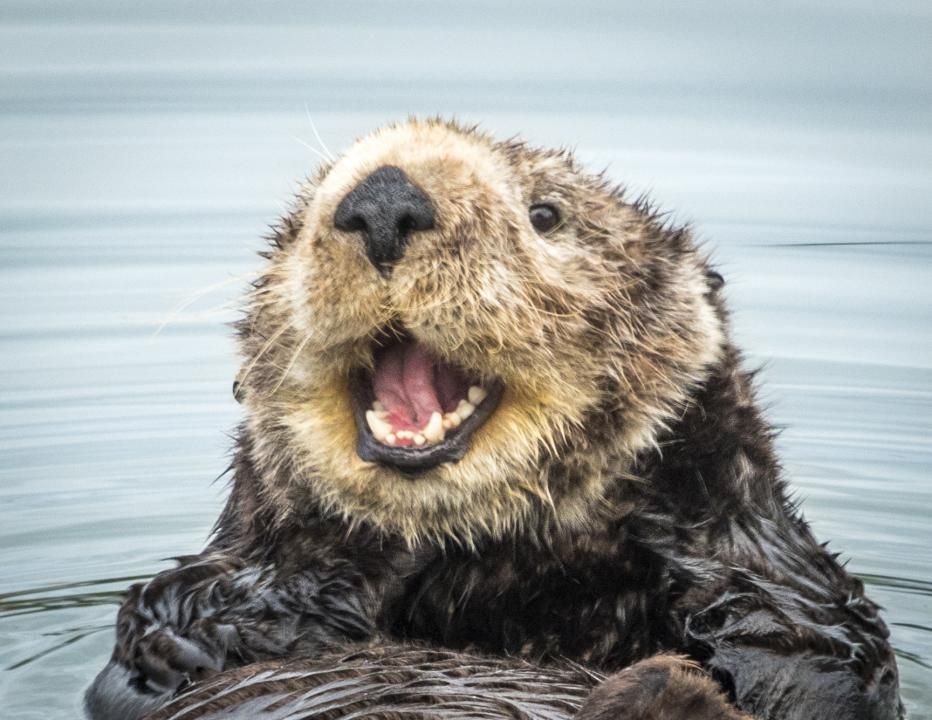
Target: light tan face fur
<point x="598" y="329"/>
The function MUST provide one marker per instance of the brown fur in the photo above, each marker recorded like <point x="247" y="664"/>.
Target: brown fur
<point x="398" y="682"/>
<point x="388" y="682"/>
<point x="664" y="687"/>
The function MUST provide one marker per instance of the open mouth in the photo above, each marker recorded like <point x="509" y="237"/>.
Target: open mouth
<point x="414" y="411"/>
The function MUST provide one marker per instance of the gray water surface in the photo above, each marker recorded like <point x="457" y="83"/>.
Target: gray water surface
<point x="144" y="148"/>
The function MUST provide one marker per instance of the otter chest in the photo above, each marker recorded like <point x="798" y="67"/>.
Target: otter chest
<point x="604" y="608"/>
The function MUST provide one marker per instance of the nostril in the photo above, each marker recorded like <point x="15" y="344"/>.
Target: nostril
<point x="352" y="223"/>
<point x="416" y="218"/>
<point x="386" y="208"/>
<point x="349" y="217"/>
<point x="405" y="225"/>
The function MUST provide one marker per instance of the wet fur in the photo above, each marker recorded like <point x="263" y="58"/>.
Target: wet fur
<point x="624" y="500"/>
<point x="399" y="682"/>
<point x="389" y="682"/>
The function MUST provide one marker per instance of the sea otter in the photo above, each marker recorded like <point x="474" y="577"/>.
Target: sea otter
<point x="492" y="406"/>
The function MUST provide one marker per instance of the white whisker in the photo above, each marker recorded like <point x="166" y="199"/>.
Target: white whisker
<point x="314" y="150"/>
<point x="294" y="359"/>
<point x="265" y="348"/>
<point x="197" y="295"/>
<point x="320" y="141"/>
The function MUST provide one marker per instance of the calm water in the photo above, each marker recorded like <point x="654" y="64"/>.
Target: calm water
<point x="143" y="148"/>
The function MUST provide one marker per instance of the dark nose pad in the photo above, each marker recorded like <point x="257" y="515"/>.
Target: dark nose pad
<point x="386" y="207"/>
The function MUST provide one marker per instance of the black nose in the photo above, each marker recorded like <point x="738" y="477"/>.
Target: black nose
<point x="386" y="207"/>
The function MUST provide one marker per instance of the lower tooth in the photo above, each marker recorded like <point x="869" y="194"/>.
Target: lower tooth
<point x="476" y="394"/>
<point x="465" y="409"/>
<point x="390" y="438"/>
<point x="380" y="429"/>
<point x="433" y="431"/>
<point x="419" y="439"/>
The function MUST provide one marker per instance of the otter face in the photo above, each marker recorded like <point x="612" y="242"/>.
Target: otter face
<point x="455" y="334"/>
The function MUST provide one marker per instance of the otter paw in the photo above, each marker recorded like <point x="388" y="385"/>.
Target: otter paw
<point x="664" y="687"/>
<point x="165" y="661"/>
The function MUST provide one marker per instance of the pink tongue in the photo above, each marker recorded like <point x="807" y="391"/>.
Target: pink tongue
<point x="404" y="383"/>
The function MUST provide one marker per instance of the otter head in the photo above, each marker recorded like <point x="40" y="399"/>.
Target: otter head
<point x="456" y="335"/>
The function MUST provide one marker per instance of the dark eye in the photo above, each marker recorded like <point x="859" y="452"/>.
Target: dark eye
<point x="544" y="218"/>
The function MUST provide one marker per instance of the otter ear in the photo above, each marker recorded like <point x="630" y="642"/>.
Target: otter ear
<point x="239" y="390"/>
<point x="715" y="280"/>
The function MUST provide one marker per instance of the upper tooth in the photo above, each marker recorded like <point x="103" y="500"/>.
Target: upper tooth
<point x="380" y="429"/>
<point x="476" y="394"/>
<point x="433" y="431"/>
<point x="465" y="409"/>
